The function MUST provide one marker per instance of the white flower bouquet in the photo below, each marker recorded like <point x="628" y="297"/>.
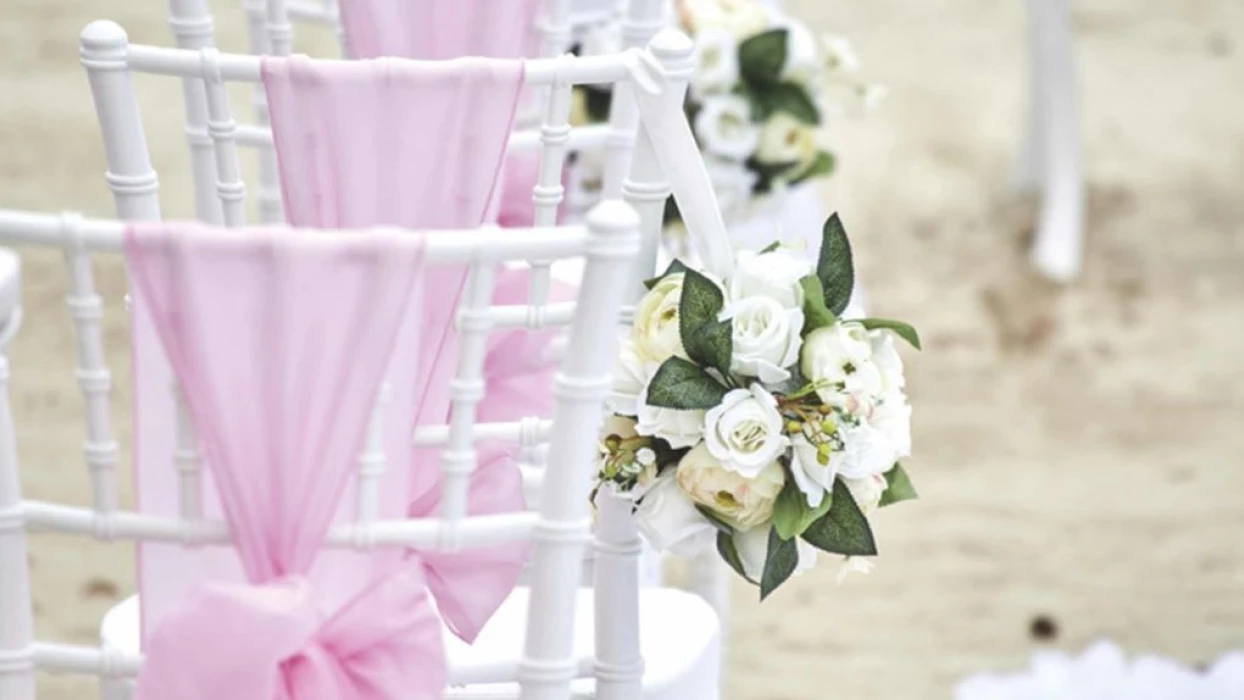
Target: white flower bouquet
<point x="763" y="86"/>
<point x="746" y="412"/>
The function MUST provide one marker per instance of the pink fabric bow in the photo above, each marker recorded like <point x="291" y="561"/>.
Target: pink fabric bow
<point x="276" y="641"/>
<point x="280" y="342"/>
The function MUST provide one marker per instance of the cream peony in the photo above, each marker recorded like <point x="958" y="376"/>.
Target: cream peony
<point x="744" y="431"/>
<point x="753" y="549"/>
<point x="740" y="18"/>
<point x="679" y="428"/>
<point x="867" y="491"/>
<point x="630" y="376"/>
<point x="742" y="502"/>
<point x="669" y="520"/>
<point x="717" y="62"/>
<point x="774" y="274"/>
<point x="654" y="330"/>
<point x="785" y="139"/>
<point x="724" y="126"/>
<point x="765" y="337"/>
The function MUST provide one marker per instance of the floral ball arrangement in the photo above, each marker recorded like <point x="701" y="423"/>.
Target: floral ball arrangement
<point x="763" y="87"/>
<point x="748" y="414"/>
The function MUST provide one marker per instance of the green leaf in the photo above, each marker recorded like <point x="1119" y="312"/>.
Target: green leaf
<point x="795" y="101"/>
<point x="715" y="520"/>
<point x="712" y="344"/>
<point x="781" y="558"/>
<point x="821" y="166"/>
<point x="769" y="171"/>
<point x="728" y="552"/>
<point x="834" y="266"/>
<point x="674" y="268"/>
<point x="815" y="314"/>
<point x="771" y="247"/>
<point x="844" y="529"/>
<point x="791" y="513"/>
<point x="684" y="385"/>
<point x="898" y="486"/>
<point x="761" y="57"/>
<point x="700" y="304"/>
<point x="902" y="330"/>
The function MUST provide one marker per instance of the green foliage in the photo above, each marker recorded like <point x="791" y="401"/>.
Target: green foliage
<point x="898" y="486"/>
<point x="674" y="268"/>
<point x="815" y="313"/>
<point x="844" y="529"/>
<point x="835" y="267"/>
<point x="902" y="330"/>
<point x="762" y="56"/>
<point x="781" y="560"/>
<point x="792" y="515"/>
<point x="821" y="166"/>
<point x="729" y="553"/>
<point x="684" y="385"/>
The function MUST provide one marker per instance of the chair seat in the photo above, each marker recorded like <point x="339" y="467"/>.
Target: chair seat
<point x="680" y="637"/>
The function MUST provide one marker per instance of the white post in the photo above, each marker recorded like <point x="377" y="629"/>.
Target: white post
<point x="191" y="23"/>
<point x="17" y="666"/>
<point x="134" y="185"/>
<point x="619" y="659"/>
<point x="223" y="130"/>
<point x="371" y="465"/>
<point x="270" y="209"/>
<point x="280" y="33"/>
<point x="94" y="379"/>
<point x="642" y="21"/>
<point x="548" y="663"/>
<point x="1056" y="149"/>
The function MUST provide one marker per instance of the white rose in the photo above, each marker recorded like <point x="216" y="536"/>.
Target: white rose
<point x="678" y="428"/>
<point x="892" y="418"/>
<point x="802" y="54"/>
<point x="866" y="451"/>
<point x="867" y="492"/>
<point x="753" y="548"/>
<point x="813" y="474"/>
<point x="765" y="337"/>
<point x="670" y="521"/>
<point x="654" y="330"/>
<point x="741" y="18"/>
<point x="831" y="354"/>
<point x="724" y="125"/>
<point x="775" y="274"/>
<point x="630" y="376"/>
<point x="717" y="61"/>
<point x="840" y="58"/>
<point x="744" y="431"/>
<point x="785" y="139"/>
<point x="742" y="502"/>
<point x="887" y="360"/>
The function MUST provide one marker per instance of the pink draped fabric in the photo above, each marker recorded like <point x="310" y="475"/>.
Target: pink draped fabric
<point x="420" y="145"/>
<point x="438" y="29"/>
<point x="280" y="342"/>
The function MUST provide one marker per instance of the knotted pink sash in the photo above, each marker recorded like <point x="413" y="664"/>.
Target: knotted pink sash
<point x="280" y="342"/>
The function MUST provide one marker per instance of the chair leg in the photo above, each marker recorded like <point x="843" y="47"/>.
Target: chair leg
<point x="1053" y="156"/>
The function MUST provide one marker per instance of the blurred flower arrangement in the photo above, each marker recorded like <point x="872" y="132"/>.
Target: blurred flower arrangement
<point x="763" y="87"/>
<point x="746" y="412"/>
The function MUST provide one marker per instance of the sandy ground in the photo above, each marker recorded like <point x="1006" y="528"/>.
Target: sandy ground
<point x="1078" y="448"/>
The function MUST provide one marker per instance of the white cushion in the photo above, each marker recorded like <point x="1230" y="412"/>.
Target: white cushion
<point x="680" y="637"/>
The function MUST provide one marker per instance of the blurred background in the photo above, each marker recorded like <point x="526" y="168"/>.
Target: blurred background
<point x="1077" y="448"/>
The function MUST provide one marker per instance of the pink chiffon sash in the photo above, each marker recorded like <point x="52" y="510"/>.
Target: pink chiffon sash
<point x="280" y="342"/>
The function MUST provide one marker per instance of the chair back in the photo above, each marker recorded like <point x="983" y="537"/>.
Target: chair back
<point x="560" y="528"/>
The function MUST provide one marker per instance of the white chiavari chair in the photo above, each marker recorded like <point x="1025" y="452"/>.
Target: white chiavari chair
<point x="659" y="72"/>
<point x="545" y="636"/>
<point x="271" y="26"/>
<point x="10" y="296"/>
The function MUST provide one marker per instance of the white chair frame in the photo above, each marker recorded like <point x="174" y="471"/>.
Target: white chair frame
<point x="270" y="25"/>
<point x="662" y="69"/>
<point x="560" y="528"/>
